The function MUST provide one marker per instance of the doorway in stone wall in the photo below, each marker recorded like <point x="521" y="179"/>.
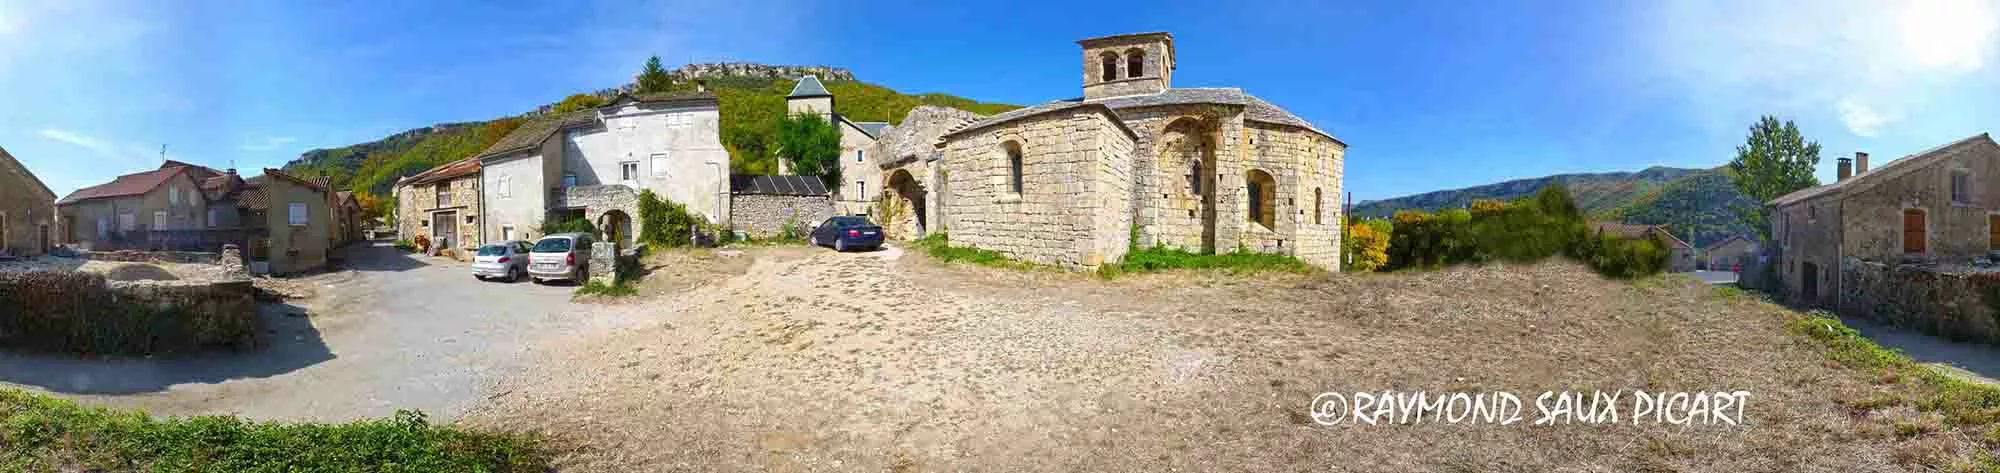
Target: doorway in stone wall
<point x="908" y="195"/>
<point x="1809" y="286"/>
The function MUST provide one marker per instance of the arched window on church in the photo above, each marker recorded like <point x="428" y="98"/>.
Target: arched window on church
<point x="1263" y="192"/>
<point x="1135" y="63"/>
<point x="1317" y="211"/>
<point x="1110" y="66"/>
<point x="1013" y="166"/>
<point x="1194" y="176"/>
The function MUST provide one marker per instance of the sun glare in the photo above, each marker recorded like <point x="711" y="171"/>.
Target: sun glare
<point x="1949" y="33"/>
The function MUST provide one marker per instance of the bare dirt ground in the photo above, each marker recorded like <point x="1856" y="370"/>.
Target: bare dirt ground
<point x="815" y="361"/>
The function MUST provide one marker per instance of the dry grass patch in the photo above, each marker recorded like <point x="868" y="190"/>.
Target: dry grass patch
<point x="830" y="363"/>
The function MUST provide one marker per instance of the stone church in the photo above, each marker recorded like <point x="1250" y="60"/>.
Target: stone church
<point x="1072" y="182"/>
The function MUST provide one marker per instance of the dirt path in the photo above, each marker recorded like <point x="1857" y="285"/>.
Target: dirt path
<point x="871" y="362"/>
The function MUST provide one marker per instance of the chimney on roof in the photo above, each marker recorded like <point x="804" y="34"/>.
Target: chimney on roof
<point x="1846" y="170"/>
<point x="1860" y="162"/>
<point x="230" y="171"/>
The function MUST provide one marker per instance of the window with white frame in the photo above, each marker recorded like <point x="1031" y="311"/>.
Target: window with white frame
<point x="506" y="232"/>
<point x="506" y="184"/>
<point x="295" y="214"/>
<point x="628" y="171"/>
<point x="214" y="215"/>
<point x="860" y="190"/>
<point x="159" y="220"/>
<point x="174" y="195"/>
<point x="568" y="180"/>
<point x="659" y="165"/>
<point x="860" y="154"/>
<point x="443" y="195"/>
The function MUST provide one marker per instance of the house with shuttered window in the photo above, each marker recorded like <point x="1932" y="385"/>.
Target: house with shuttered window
<point x="1939" y="206"/>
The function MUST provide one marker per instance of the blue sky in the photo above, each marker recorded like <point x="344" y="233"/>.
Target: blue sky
<point x="1429" y="94"/>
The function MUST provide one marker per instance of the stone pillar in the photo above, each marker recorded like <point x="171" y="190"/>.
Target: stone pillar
<point x="604" y="262"/>
<point x="231" y="261"/>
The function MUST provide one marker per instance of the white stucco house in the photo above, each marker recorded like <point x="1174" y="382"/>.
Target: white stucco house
<point x="593" y="164"/>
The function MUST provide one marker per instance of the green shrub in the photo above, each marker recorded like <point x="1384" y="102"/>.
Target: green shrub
<point x="666" y="223"/>
<point x="406" y="245"/>
<point x="555" y="225"/>
<point x="1532" y="229"/>
<point x="596" y="287"/>
<point x="938" y="245"/>
<point x="1242" y="261"/>
<point x="43" y="433"/>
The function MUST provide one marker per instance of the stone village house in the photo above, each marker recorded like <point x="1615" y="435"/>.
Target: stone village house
<point x="1065" y="183"/>
<point x="1727" y="254"/>
<point x="282" y="221"/>
<point x="588" y="164"/>
<point x="1836" y="241"/>
<point x="441" y="204"/>
<point x="27" y="210"/>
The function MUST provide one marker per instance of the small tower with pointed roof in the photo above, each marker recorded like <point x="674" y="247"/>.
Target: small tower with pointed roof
<point x="810" y="97"/>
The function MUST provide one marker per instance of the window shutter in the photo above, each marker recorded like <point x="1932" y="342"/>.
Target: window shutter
<point x="1913" y="231"/>
<point x="1993" y="232"/>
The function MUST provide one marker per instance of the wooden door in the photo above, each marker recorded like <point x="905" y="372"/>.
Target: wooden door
<point x="1913" y="231"/>
<point x="1993" y="232"/>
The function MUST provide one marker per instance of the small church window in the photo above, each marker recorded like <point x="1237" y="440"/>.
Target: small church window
<point x="1110" y="66"/>
<point x="1135" y="63"/>
<point x="1194" y="176"/>
<point x="1317" y="212"/>
<point x="1263" y="198"/>
<point x="1013" y="166"/>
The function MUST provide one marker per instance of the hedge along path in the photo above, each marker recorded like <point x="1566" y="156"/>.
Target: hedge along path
<point x="42" y="433"/>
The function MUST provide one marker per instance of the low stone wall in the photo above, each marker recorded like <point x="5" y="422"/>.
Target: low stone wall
<point x="80" y="312"/>
<point x="1955" y="303"/>
<point x="764" y="216"/>
<point x="150" y="256"/>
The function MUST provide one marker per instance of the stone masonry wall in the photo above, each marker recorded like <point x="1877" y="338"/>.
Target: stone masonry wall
<point x="416" y="205"/>
<point x="1959" y="305"/>
<point x="1073" y="210"/>
<point x="764" y="216"/>
<point x="1170" y="213"/>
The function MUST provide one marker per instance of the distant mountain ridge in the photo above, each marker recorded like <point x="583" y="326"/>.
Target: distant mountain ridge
<point x="1694" y="203"/>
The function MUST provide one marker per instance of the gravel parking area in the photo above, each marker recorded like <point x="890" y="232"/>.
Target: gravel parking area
<point x="389" y="331"/>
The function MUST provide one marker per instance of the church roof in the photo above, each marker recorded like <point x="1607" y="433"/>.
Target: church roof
<point x="1254" y="109"/>
<point x="873" y="129"/>
<point x="809" y="86"/>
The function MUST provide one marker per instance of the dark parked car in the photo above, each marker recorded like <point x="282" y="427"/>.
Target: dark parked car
<point x="844" y="233"/>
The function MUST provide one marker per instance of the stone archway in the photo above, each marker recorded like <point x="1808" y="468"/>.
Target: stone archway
<point x="1187" y="151"/>
<point x="903" y="212"/>
<point x="616" y="226"/>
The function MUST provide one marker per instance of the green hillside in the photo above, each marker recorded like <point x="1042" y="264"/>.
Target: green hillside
<point x="1694" y="202"/>
<point x="751" y="108"/>
<point x="1697" y="207"/>
<point x="1595" y="193"/>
